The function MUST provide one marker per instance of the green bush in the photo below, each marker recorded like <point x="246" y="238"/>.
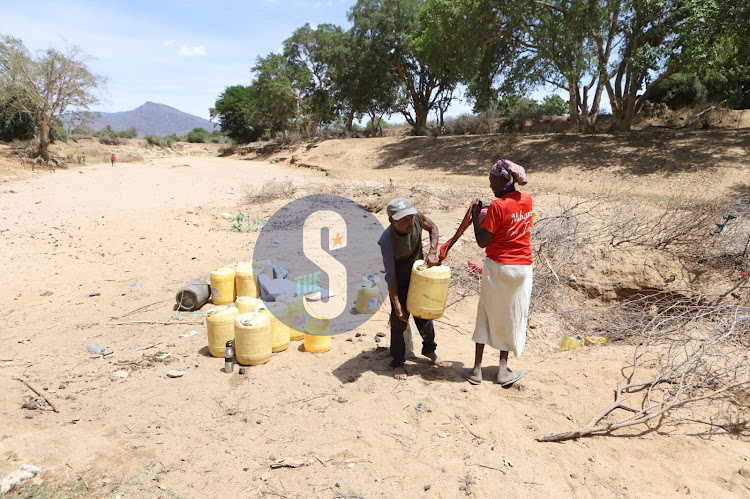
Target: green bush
<point x="552" y="105"/>
<point x="18" y="127"/>
<point x="155" y="140"/>
<point x="57" y="132"/>
<point x="198" y="135"/>
<point x="130" y="133"/>
<point x="105" y="132"/>
<point x="679" y="91"/>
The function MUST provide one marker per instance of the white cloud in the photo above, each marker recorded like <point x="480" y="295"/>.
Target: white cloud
<point x="196" y="50"/>
<point x="168" y="43"/>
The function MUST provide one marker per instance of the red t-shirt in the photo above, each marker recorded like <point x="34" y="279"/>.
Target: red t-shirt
<point x="509" y="220"/>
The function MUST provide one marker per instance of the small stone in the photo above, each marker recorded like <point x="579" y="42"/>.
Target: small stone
<point x="745" y="472"/>
<point x="46" y="293"/>
<point x="117" y="374"/>
<point x="350" y="339"/>
<point x="377" y="340"/>
<point x="337" y="485"/>
<point x="442" y="434"/>
<point x="380" y="335"/>
<point x="242" y="370"/>
<point x="427" y="487"/>
<point x="574" y="475"/>
<point x="357" y="335"/>
<point x="361" y="339"/>
<point x="175" y="374"/>
<point x="245" y="469"/>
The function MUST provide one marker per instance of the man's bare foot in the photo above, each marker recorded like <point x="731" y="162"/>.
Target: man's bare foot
<point x="399" y="373"/>
<point x="435" y="359"/>
<point x="508" y="376"/>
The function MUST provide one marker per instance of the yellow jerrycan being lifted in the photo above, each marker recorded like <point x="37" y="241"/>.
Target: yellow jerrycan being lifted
<point x="222" y="286"/>
<point x="428" y="290"/>
<point x="220" y="327"/>
<point x="317" y="335"/>
<point x="252" y="338"/>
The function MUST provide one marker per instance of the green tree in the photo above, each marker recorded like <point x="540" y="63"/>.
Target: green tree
<point x="659" y="38"/>
<point x="44" y="86"/>
<point x="13" y="125"/>
<point x="310" y="54"/>
<point x="233" y="112"/>
<point x="276" y="94"/>
<point x="552" y="105"/>
<point x="363" y="76"/>
<point x="395" y="24"/>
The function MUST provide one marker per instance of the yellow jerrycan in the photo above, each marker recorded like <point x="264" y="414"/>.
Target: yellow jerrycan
<point x="368" y="295"/>
<point x="246" y="280"/>
<point x="222" y="286"/>
<point x="278" y="313"/>
<point x="428" y="290"/>
<point x="220" y="327"/>
<point x="317" y="335"/>
<point x="252" y="338"/>
<point x="297" y="314"/>
<point x="247" y="304"/>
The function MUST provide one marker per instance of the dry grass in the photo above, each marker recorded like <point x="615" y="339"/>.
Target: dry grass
<point x="270" y="191"/>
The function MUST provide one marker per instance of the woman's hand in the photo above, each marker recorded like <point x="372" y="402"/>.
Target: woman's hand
<point x="477" y="209"/>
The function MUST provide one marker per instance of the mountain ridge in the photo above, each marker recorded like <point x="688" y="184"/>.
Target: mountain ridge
<point x="150" y="118"/>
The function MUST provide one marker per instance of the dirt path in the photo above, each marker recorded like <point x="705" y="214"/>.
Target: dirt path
<point x="137" y="232"/>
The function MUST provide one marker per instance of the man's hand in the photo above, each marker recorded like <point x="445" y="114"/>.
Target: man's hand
<point x="431" y="259"/>
<point x="400" y="313"/>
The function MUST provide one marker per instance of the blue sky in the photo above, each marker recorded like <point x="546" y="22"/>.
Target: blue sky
<point x="179" y="53"/>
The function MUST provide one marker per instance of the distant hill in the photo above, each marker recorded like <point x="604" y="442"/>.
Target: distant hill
<point x="150" y="119"/>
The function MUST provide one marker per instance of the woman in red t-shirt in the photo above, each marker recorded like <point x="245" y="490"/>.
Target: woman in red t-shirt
<point x="505" y="233"/>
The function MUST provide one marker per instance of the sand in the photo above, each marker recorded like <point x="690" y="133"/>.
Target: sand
<point x="336" y="423"/>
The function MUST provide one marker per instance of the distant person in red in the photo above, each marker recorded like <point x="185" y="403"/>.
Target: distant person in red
<point x="113" y="160"/>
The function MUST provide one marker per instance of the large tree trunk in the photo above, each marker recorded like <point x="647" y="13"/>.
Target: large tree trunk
<point x="420" y="122"/>
<point x="622" y="116"/>
<point x="43" y="140"/>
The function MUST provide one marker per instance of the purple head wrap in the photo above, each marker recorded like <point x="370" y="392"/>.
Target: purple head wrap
<point x="509" y="171"/>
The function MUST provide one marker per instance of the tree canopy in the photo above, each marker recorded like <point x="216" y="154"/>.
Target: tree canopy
<point x="409" y="56"/>
<point x="43" y="86"/>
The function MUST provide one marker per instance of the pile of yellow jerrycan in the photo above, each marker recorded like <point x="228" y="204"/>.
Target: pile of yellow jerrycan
<point x="244" y="326"/>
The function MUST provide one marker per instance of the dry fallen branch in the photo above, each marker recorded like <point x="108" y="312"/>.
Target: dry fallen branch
<point x="38" y="393"/>
<point x="686" y="352"/>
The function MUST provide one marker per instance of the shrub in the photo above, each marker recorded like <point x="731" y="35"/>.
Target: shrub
<point x="155" y="140"/>
<point x="130" y="133"/>
<point x="198" y="136"/>
<point x="680" y="91"/>
<point x="105" y="132"/>
<point x="552" y="105"/>
<point x="57" y="132"/>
